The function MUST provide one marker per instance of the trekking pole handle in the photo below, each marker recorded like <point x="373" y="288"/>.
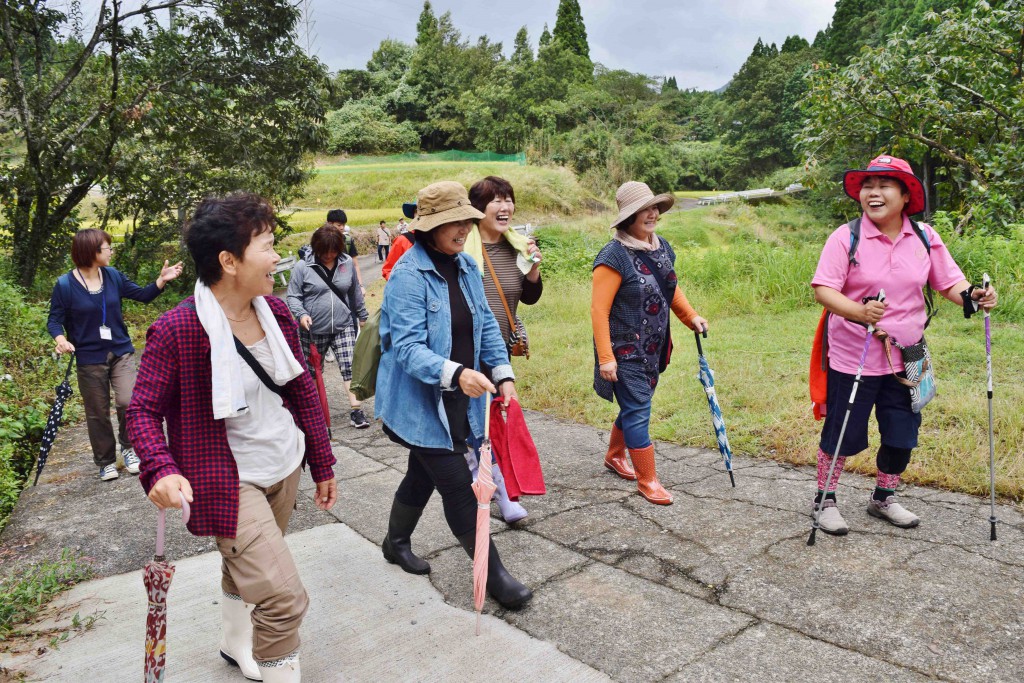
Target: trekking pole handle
<point x="881" y="299"/>
<point x="986" y="282"/>
<point x="697" y="335"/>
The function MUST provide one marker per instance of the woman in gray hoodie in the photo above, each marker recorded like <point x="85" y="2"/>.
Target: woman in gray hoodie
<point x="325" y="297"/>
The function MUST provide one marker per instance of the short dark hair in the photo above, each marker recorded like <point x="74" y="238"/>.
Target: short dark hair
<point x="337" y="216"/>
<point x="327" y="238"/>
<point x="86" y="244"/>
<point x="483" y="191"/>
<point x="383" y="222"/>
<point x="225" y="224"/>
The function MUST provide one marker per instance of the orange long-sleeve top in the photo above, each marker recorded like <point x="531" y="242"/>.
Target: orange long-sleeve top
<point x="606" y="285"/>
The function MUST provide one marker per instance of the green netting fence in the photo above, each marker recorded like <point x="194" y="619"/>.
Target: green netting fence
<point x="448" y="155"/>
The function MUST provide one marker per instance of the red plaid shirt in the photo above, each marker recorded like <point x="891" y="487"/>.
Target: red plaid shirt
<point x="174" y="384"/>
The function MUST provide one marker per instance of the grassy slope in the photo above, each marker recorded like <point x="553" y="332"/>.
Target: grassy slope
<point x="763" y="317"/>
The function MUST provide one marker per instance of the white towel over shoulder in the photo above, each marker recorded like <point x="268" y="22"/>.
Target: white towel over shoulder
<point x="226" y="364"/>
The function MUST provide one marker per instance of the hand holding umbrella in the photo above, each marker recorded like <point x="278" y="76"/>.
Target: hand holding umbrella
<point x="707" y="379"/>
<point x="157" y="577"/>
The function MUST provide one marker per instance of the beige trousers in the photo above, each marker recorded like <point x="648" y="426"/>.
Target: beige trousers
<point x="258" y="566"/>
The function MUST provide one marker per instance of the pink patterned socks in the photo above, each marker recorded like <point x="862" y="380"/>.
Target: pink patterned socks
<point x="824" y="460"/>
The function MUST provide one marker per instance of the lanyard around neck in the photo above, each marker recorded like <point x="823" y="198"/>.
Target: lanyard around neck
<point x="102" y="293"/>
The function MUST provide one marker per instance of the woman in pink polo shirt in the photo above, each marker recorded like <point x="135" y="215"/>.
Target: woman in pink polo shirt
<point x="890" y="255"/>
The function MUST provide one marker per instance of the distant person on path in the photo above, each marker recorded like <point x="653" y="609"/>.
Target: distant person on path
<point x="86" y="319"/>
<point x="889" y="256"/>
<point x="339" y="219"/>
<point x="515" y="260"/>
<point x="383" y="241"/>
<point x="223" y="369"/>
<point x="436" y="331"/>
<point x="402" y="244"/>
<point x="329" y="315"/>
<point x="403" y="227"/>
<point x="634" y="287"/>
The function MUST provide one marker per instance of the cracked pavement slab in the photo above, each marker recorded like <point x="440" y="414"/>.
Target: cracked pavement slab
<point x="720" y="586"/>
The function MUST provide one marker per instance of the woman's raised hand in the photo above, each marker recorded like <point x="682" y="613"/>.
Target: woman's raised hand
<point x="474" y="384"/>
<point x="873" y="311"/>
<point x="168" y="273"/>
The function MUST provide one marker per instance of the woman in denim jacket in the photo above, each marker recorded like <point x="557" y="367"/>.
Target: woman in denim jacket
<point x="435" y="329"/>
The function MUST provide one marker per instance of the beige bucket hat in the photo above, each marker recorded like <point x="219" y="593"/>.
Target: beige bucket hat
<point x="634" y="196"/>
<point x="440" y="203"/>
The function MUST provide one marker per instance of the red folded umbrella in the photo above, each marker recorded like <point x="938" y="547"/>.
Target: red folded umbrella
<point x="515" y="451"/>
<point x="316" y="363"/>
<point x="157" y="576"/>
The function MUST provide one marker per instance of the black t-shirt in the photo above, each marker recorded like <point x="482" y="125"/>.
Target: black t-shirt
<point x="456" y="403"/>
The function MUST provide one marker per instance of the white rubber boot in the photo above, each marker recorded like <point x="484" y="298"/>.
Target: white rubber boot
<point x="236" y="642"/>
<point x="284" y="670"/>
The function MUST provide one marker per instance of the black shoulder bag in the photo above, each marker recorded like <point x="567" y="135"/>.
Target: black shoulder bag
<point x="349" y="302"/>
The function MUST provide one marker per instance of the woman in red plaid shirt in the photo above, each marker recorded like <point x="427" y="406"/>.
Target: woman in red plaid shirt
<point x="224" y="370"/>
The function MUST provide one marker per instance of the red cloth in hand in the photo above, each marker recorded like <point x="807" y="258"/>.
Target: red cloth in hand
<point x="515" y="451"/>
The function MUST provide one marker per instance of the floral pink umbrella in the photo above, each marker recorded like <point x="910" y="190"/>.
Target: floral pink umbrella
<point x="157" y="576"/>
<point x="484" y="489"/>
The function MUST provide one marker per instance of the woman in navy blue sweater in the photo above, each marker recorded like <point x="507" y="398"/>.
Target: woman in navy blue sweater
<point x="85" y="319"/>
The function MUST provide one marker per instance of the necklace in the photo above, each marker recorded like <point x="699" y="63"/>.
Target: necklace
<point x="246" y="318"/>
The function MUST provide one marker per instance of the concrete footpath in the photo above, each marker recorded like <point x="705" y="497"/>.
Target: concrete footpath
<point x="719" y="586"/>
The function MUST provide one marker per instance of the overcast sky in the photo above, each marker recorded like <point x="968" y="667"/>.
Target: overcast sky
<point x="700" y="42"/>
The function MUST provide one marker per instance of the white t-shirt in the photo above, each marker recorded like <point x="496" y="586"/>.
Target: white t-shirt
<point x="266" y="442"/>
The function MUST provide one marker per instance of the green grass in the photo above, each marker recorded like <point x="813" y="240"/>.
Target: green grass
<point x="540" y="192"/>
<point x="747" y="270"/>
<point x="25" y="593"/>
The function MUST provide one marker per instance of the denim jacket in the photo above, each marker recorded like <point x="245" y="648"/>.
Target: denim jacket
<point x="416" y="341"/>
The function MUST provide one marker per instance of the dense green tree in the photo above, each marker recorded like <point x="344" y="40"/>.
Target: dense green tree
<point x="669" y="85"/>
<point x="158" y="115"/>
<point x="349" y="84"/>
<point x="545" y="38"/>
<point x="363" y="127"/>
<point x="569" y="28"/>
<point x="951" y="98"/>
<point x="794" y="43"/>
<point x="522" y="53"/>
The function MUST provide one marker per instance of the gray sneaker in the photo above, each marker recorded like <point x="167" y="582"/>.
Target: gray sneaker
<point x="830" y="521"/>
<point x="131" y="461"/>
<point x="893" y="512"/>
<point x="108" y="472"/>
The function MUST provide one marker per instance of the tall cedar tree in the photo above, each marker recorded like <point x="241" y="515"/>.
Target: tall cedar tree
<point x="569" y="28"/>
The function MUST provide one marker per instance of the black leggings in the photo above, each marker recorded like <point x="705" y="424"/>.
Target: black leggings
<point x="892" y="460"/>
<point x="449" y="475"/>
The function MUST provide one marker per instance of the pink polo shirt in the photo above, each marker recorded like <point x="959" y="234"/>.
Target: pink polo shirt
<point x="901" y="268"/>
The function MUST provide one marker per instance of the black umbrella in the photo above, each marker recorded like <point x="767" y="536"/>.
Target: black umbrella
<point x="53" y="422"/>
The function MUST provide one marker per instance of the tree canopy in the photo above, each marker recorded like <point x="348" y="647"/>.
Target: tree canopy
<point x="157" y="113"/>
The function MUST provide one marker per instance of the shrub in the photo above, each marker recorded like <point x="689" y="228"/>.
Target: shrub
<point x="363" y="127"/>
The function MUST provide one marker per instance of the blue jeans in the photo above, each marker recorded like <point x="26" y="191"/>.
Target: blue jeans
<point x="634" y="417"/>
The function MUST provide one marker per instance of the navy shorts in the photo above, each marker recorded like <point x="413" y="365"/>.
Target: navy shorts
<point x="897" y="423"/>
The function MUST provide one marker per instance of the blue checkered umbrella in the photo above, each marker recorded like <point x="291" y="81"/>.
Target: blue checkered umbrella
<point x="64" y="392"/>
<point x="707" y="379"/>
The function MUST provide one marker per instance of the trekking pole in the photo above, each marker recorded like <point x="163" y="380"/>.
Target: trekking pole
<point x="985" y="282"/>
<point x="849" y="408"/>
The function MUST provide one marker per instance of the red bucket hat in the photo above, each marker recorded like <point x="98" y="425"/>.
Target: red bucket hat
<point x="890" y="167"/>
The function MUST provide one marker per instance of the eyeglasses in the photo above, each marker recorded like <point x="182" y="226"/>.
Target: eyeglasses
<point x="106" y="247"/>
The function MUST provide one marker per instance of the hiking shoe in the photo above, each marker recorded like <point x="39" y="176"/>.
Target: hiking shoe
<point x="358" y="420"/>
<point x="893" y="512"/>
<point x="108" y="472"/>
<point x="131" y="461"/>
<point x="831" y="521"/>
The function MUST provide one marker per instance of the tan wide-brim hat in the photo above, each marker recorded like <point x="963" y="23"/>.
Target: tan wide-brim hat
<point x="440" y="203"/>
<point x="635" y="196"/>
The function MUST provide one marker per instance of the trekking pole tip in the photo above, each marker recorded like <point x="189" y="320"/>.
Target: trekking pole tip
<point x="810" y="540"/>
<point x="732" y="479"/>
<point x="992" y="535"/>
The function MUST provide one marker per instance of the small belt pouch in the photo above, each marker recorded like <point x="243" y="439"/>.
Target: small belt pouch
<point x="917" y="364"/>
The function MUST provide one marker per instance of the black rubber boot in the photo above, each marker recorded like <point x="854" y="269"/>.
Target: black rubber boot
<point x="397" y="545"/>
<point x="501" y="586"/>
